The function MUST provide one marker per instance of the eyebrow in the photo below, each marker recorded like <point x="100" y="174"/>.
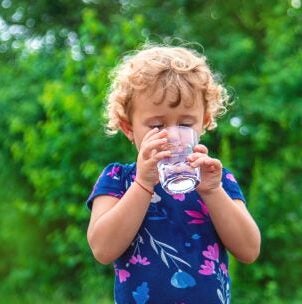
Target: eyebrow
<point x="155" y="117"/>
<point x="188" y="116"/>
<point x="159" y="117"/>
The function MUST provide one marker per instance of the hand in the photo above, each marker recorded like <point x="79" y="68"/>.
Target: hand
<point x="152" y="149"/>
<point x="210" y="169"/>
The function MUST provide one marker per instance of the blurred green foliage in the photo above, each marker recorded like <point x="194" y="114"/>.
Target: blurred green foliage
<point x="55" y="58"/>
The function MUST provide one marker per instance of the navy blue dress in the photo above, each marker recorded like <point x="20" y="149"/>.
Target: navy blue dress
<point x="176" y="256"/>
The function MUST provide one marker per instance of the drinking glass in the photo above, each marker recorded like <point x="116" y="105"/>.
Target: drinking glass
<point x="175" y="173"/>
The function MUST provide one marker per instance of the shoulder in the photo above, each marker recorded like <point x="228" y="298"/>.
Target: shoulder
<point x="231" y="185"/>
<point x="227" y="175"/>
<point x="112" y="181"/>
<point x="117" y="174"/>
<point x="117" y="169"/>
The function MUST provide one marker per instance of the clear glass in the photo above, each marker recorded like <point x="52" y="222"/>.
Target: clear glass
<point x="175" y="173"/>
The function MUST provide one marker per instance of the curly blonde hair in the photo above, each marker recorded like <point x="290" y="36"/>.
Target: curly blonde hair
<point x="164" y="69"/>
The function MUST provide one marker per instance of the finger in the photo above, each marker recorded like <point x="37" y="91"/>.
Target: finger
<point x="159" y="144"/>
<point x="155" y="145"/>
<point x="150" y="133"/>
<point x="154" y="134"/>
<point x="213" y="163"/>
<point x="196" y="155"/>
<point x="161" y="155"/>
<point x="207" y="163"/>
<point x="198" y="162"/>
<point x="201" y="148"/>
<point x="158" y="135"/>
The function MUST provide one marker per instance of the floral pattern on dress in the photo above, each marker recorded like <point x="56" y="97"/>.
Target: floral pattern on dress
<point x="141" y="294"/>
<point x="172" y="258"/>
<point x="199" y="217"/>
<point x="167" y="253"/>
<point x="212" y="266"/>
<point x="122" y="274"/>
<point x="135" y="259"/>
<point x="139" y="260"/>
<point x="179" y="196"/>
<point x="113" y="173"/>
<point x="231" y="177"/>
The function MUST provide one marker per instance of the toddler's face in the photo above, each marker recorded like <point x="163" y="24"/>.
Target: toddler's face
<point x="147" y="115"/>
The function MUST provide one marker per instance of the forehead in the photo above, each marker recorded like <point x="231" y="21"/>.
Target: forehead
<point x="170" y="90"/>
<point x="146" y="104"/>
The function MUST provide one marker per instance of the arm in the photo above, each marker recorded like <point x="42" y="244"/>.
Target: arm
<point x="112" y="227"/>
<point x="115" y="222"/>
<point x="233" y="223"/>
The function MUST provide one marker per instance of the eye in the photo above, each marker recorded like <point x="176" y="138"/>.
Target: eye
<point x="159" y="126"/>
<point x="186" y="125"/>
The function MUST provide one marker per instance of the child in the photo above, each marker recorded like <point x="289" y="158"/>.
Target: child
<point x="168" y="249"/>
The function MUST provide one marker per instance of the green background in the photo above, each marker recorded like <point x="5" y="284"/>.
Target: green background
<point x="55" y="57"/>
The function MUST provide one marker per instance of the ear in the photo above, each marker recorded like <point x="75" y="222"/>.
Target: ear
<point x="206" y="120"/>
<point x="126" y="128"/>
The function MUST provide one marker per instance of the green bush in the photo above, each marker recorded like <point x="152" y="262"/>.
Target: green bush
<point x="52" y="137"/>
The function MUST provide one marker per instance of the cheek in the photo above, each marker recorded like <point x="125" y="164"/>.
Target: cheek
<point x="138" y="138"/>
<point x="139" y="134"/>
<point x="199" y="129"/>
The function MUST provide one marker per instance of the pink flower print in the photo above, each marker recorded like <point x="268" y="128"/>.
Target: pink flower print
<point x="208" y="268"/>
<point x="231" y="177"/>
<point x="133" y="260"/>
<point x="180" y="197"/>
<point x="224" y="269"/>
<point x="198" y="216"/>
<point x="204" y="208"/>
<point x="212" y="253"/>
<point x="138" y="259"/>
<point x="133" y="176"/>
<point x="144" y="261"/>
<point x="123" y="275"/>
<point x="114" y="171"/>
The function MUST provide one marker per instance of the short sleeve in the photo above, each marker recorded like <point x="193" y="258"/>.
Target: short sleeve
<point x="231" y="186"/>
<point x="110" y="182"/>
